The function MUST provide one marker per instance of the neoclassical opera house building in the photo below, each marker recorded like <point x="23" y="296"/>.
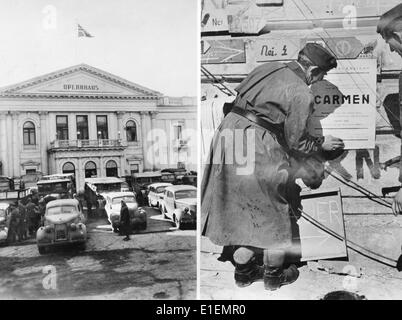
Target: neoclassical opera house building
<point x="89" y="122"/>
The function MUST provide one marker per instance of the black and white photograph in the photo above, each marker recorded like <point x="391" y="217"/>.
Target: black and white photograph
<point x="300" y="150"/>
<point x="206" y="151"/>
<point x="98" y="149"/>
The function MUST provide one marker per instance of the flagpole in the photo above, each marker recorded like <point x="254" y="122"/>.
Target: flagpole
<point x="76" y="40"/>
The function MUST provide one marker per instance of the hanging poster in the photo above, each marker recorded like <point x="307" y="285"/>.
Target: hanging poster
<point x="345" y="104"/>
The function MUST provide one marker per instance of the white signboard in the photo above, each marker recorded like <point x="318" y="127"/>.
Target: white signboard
<point x="214" y="16"/>
<point x="277" y="49"/>
<point x="345" y="104"/>
<point x="324" y="210"/>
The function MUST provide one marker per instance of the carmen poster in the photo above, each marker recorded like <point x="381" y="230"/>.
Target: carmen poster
<point x="345" y="104"/>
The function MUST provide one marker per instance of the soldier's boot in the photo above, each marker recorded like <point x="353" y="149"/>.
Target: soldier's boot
<point x="275" y="277"/>
<point x="247" y="269"/>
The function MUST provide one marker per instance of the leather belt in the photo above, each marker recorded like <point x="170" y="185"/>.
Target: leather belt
<point x="277" y="130"/>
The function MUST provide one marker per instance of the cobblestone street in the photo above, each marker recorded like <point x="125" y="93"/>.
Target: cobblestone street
<point x="158" y="263"/>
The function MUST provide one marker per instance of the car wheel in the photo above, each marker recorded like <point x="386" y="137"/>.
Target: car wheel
<point x="42" y="250"/>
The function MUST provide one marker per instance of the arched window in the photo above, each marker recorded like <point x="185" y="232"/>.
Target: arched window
<point x="29" y="133"/>
<point x="131" y="131"/>
<point x="111" y="169"/>
<point x="68" y="167"/>
<point x="90" y="169"/>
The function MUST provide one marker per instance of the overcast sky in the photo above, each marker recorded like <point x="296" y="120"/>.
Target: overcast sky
<point x="149" y="42"/>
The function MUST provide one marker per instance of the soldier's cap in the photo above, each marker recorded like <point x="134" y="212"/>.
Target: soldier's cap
<point x="386" y="20"/>
<point x="319" y="56"/>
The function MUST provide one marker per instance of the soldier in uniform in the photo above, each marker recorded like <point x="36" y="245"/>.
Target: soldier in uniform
<point x="32" y="217"/>
<point x="35" y="197"/>
<point x="138" y="194"/>
<point x="390" y="28"/>
<point x="23" y="224"/>
<point x="14" y="223"/>
<point x="247" y="208"/>
<point x="88" y="203"/>
<point x="125" y="221"/>
<point x="79" y="196"/>
<point x="41" y="210"/>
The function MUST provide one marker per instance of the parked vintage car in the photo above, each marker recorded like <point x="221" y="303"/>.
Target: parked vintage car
<point x="173" y="175"/>
<point x="190" y="179"/>
<point x="59" y="186"/>
<point x="142" y="180"/>
<point x="96" y="188"/>
<point x="138" y="216"/>
<point x="180" y="205"/>
<point x="64" y="223"/>
<point x="168" y="177"/>
<point x="4" y="221"/>
<point x="155" y="193"/>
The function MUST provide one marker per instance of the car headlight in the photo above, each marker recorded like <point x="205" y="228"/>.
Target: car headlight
<point x="186" y="210"/>
<point x="73" y="227"/>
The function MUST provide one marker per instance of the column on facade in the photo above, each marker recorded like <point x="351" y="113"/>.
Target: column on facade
<point x="101" y="171"/>
<point x="92" y="127"/>
<point x="16" y="144"/>
<point x="80" y="175"/>
<point x="3" y="142"/>
<point x="152" y="126"/>
<point x="167" y="128"/>
<point x="122" y="167"/>
<point x="144" y="141"/>
<point x="10" y="145"/>
<point x="122" y="138"/>
<point x="190" y="127"/>
<point x="72" y="127"/>
<point x="120" y="127"/>
<point x="44" y="140"/>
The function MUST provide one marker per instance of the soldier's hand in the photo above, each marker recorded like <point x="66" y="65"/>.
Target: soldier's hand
<point x="332" y="143"/>
<point x="397" y="204"/>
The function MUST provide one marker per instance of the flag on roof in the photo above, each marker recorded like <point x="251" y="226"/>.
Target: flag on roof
<point x="82" y="32"/>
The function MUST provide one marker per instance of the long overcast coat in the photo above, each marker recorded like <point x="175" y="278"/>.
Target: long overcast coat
<point x="250" y="207"/>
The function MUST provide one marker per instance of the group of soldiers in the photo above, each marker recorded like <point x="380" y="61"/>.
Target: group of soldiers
<point x="25" y="218"/>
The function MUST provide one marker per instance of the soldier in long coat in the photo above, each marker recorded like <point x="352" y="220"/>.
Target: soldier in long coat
<point x="24" y="222"/>
<point x="125" y="227"/>
<point x="32" y="218"/>
<point x="244" y="203"/>
<point x="390" y="28"/>
<point x="14" y="223"/>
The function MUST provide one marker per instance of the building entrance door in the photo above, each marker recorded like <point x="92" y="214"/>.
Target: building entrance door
<point x="111" y="169"/>
<point x="90" y="170"/>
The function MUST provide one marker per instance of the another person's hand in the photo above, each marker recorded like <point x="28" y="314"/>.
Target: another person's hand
<point x="397" y="204"/>
<point x="332" y="143"/>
